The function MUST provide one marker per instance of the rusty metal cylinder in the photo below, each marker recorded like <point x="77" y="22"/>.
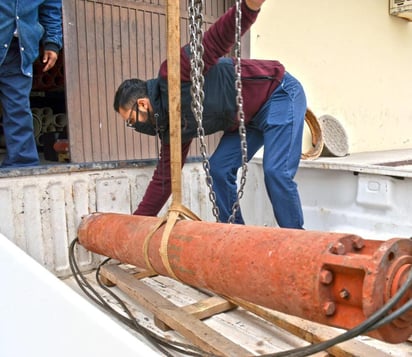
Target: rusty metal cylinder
<point x="331" y="278"/>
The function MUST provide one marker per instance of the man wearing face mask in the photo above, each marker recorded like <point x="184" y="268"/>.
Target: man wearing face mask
<point x="274" y="106"/>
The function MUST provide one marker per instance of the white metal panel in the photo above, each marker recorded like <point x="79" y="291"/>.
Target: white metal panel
<point x="41" y="215"/>
<point x="113" y="195"/>
<point x="6" y="209"/>
<point x="357" y="194"/>
<point x="375" y="191"/>
<point x="43" y="317"/>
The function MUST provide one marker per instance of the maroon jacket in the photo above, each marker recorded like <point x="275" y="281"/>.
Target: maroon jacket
<point x="259" y="80"/>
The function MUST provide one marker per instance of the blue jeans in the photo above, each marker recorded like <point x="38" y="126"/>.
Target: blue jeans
<point x="15" y="91"/>
<point x="278" y="127"/>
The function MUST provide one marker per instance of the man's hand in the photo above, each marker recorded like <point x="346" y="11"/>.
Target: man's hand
<point x="49" y="60"/>
<point x="254" y="5"/>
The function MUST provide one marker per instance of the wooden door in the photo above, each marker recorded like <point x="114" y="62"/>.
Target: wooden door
<point x="106" y="42"/>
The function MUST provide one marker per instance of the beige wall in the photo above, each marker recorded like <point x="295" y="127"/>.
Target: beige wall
<point x="354" y="60"/>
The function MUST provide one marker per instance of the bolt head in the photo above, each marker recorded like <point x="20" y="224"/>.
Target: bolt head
<point x="338" y="248"/>
<point x="329" y="308"/>
<point x="326" y="277"/>
<point x="344" y="294"/>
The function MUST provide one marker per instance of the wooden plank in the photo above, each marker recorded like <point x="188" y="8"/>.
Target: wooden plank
<point x="187" y="325"/>
<point x="310" y="331"/>
<point x="144" y="274"/>
<point x="201" y="310"/>
<point x="173" y="82"/>
<point x="74" y="87"/>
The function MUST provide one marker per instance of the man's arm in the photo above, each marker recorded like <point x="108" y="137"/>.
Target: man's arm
<point x="50" y="16"/>
<point x="160" y="187"/>
<point x="219" y="39"/>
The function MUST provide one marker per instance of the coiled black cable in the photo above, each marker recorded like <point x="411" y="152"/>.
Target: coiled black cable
<point x="156" y="340"/>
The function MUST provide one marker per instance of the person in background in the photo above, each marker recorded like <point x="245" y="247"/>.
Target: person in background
<point x="24" y="25"/>
<point x="274" y="106"/>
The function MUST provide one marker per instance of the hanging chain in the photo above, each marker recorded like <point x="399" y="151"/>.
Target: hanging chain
<point x="241" y="114"/>
<point x="196" y="75"/>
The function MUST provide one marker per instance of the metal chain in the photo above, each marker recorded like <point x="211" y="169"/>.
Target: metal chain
<point x="241" y="114"/>
<point x="196" y="75"/>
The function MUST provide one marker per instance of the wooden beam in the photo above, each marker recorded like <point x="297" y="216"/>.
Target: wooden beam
<point x="187" y="325"/>
<point x="173" y="71"/>
<point x="310" y="331"/>
<point x="201" y="310"/>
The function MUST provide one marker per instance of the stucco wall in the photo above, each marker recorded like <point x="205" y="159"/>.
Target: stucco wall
<point x="354" y="60"/>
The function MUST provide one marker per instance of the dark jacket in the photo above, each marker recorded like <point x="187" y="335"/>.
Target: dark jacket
<point x="259" y="79"/>
<point x="36" y="21"/>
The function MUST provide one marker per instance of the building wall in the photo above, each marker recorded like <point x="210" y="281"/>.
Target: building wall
<point x="106" y="42"/>
<point x="354" y="60"/>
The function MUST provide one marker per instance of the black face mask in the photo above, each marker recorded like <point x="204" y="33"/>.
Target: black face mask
<point x="151" y="126"/>
<point x="145" y="128"/>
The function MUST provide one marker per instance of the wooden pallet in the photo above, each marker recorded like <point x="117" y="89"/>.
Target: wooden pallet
<point x="188" y="320"/>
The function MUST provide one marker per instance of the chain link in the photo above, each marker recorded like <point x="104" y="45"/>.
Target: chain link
<point x="241" y="114"/>
<point x="196" y="75"/>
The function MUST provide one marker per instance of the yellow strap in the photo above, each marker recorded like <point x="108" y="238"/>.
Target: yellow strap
<point x="173" y="217"/>
<point x="176" y="212"/>
<point x="147" y="241"/>
<point x="184" y="211"/>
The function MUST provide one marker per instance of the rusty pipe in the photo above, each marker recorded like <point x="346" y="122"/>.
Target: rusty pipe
<point x="332" y="278"/>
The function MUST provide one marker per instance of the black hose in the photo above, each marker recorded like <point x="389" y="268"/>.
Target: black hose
<point x="156" y="340"/>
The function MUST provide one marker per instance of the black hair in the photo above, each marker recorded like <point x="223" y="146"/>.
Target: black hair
<point x="128" y="93"/>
